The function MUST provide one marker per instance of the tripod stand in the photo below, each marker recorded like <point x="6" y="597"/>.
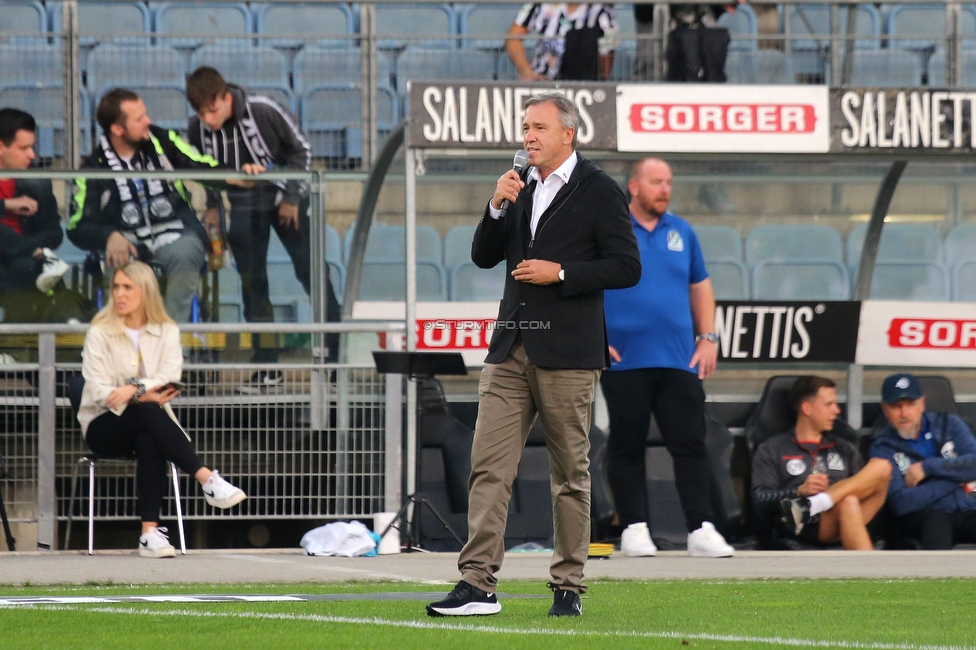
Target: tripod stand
<point x="422" y="366"/>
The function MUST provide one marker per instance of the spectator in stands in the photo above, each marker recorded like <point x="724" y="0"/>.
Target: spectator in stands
<point x="131" y="360"/>
<point x="577" y="41"/>
<point x="148" y="220"/>
<point x="30" y="227"/>
<point x="647" y="58"/>
<point x="238" y="128"/>
<point x="933" y="463"/>
<point x="663" y="344"/>
<point x="565" y="238"/>
<point x="815" y="478"/>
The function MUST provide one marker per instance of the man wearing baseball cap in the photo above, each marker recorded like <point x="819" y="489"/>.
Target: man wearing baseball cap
<point x="933" y="455"/>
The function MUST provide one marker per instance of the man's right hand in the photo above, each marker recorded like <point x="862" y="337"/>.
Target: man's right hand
<point x="507" y="187"/>
<point x="119" y="250"/>
<point x="815" y="484"/>
<point x="23" y="206"/>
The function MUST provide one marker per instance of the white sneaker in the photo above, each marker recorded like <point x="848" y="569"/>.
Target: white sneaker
<point x="155" y="543"/>
<point x="708" y="542"/>
<point x="636" y="541"/>
<point x="221" y="494"/>
<point x="53" y="269"/>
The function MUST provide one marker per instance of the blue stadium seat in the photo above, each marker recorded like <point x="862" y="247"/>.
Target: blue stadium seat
<point x="337" y="276"/>
<point x="333" y="245"/>
<point x="899" y="243"/>
<point x="70" y="253"/>
<point x="230" y="302"/>
<point x="159" y="66"/>
<point x="484" y="26"/>
<point x="758" y="67"/>
<point x="332" y="118"/>
<point x="719" y="243"/>
<point x="910" y="281"/>
<point x="623" y="62"/>
<point x="315" y="66"/>
<point x="46" y="104"/>
<point x="470" y="283"/>
<point x="184" y="24"/>
<point x="440" y="64"/>
<point x="811" y="242"/>
<point x="31" y="64"/>
<point x="886" y="68"/>
<point x="384" y="281"/>
<point x="116" y="22"/>
<point x="399" y="25"/>
<point x="23" y="20"/>
<point x="457" y="245"/>
<point x="386" y="244"/>
<point x="742" y="25"/>
<point x="964" y="281"/>
<point x="967" y="69"/>
<point x="328" y="25"/>
<point x="730" y="280"/>
<point x="809" y="25"/>
<point x="288" y="298"/>
<point x="960" y="244"/>
<point x="800" y="279"/>
<point x="923" y="26"/>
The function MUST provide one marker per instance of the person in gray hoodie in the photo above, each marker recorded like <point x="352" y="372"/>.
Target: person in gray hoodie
<point x="932" y="493"/>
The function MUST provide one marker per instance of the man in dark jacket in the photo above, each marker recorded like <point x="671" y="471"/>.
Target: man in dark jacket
<point x="932" y="495"/>
<point x="815" y="479"/>
<point x="29" y="220"/>
<point x="238" y="129"/>
<point x="565" y="238"/>
<point x="151" y="220"/>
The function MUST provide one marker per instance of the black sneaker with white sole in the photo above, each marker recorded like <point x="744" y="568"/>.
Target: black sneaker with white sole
<point x="565" y="602"/>
<point x="465" y="600"/>
<point x="796" y="513"/>
<point x="262" y="381"/>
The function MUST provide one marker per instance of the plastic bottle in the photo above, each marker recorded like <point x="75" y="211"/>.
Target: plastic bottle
<point x="215" y="260"/>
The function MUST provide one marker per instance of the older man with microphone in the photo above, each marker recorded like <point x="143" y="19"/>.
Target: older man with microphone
<point x="565" y="237"/>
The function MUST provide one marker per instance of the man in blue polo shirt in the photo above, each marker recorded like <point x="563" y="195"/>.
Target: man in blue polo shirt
<point x="663" y="343"/>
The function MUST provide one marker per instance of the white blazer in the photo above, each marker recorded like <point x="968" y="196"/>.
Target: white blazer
<point x="110" y="360"/>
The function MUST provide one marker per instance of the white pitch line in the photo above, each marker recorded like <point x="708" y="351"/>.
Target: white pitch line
<point x="460" y="627"/>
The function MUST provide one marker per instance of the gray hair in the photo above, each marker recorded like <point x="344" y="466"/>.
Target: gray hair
<point x="568" y="112"/>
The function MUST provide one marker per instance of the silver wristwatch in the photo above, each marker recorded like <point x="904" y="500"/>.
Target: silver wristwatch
<point x="711" y="337"/>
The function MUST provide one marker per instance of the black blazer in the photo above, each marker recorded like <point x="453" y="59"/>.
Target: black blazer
<point x="587" y="229"/>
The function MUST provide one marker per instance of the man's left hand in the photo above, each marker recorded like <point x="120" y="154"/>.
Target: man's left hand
<point x="288" y="215"/>
<point x="705" y="357"/>
<point x="914" y="475"/>
<point x="537" y="272"/>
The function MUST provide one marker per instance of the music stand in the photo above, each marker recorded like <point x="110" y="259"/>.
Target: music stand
<point x="418" y="365"/>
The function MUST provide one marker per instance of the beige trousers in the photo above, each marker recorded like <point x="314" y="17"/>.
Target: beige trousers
<point x="511" y="393"/>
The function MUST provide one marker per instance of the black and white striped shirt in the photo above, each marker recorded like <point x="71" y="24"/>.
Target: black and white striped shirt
<point x="552" y="21"/>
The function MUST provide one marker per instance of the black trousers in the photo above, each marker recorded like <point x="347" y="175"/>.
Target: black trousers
<point x="148" y="432"/>
<point x="677" y="400"/>
<point x="934" y="529"/>
<point x="18" y="294"/>
<point x="252" y="216"/>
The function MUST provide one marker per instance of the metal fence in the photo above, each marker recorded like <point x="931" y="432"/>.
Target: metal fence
<point x="343" y="69"/>
<point x="315" y="448"/>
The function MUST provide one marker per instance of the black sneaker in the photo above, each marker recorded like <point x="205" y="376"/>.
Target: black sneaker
<point x="262" y="381"/>
<point x="565" y="602"/>
<point x="465" y="600"/>
<point x="796" y="513"/>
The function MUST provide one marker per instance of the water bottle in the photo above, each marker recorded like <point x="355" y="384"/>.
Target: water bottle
<point x="215" y="260"/>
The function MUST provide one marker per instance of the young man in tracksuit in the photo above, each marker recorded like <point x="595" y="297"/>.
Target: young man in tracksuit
<point x="932" y="494"/>
<point x="149" y="220"/>
<point x="238" y="128"/>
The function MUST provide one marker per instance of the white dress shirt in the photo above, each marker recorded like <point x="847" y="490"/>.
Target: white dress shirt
<point x="545" y="191"/>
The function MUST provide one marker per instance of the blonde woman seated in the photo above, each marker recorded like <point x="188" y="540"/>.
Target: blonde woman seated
<point x="131" y="357"/>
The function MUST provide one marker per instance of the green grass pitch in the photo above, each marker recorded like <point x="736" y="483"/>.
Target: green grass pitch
<point x="882" y="614"/>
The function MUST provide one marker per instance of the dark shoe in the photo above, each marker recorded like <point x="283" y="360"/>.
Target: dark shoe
<point x="796" y="513"/>
<point x="565" y="602"/>
<point x="465" y="600"/>
<point x="262" y="381"/>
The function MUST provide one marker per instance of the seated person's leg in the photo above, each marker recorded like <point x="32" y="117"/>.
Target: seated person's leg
<point x="869" y="487"/>
<point x="181" y="261"/>
<point x="18" y="294"/>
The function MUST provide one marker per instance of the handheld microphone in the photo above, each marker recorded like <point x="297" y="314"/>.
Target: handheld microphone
<point x="518" y="164"/>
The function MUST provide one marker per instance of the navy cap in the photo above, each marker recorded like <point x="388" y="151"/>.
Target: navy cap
<point x="898" y="387"/>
